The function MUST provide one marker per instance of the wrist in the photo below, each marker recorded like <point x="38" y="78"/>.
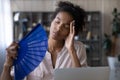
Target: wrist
<point x="6" y="65"/>
<point x="7" y="68"/>
<point x="71" y="50"/>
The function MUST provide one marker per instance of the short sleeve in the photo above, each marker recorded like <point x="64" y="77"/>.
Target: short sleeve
<point x="81" y="53"/>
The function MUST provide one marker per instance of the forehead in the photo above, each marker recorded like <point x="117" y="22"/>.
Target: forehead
<point x="64" y="16"/>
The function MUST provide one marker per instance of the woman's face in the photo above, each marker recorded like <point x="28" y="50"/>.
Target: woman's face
<point x="60" y="26"/>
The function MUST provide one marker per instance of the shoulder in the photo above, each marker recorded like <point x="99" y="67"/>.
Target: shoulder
<point x="78" y="44"/>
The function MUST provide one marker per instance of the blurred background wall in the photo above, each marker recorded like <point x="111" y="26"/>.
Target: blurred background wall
<point x="104" y="6"/>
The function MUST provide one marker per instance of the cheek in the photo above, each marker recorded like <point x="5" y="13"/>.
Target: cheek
<point x="65" y="34"/>
<point x="51" y="27"/>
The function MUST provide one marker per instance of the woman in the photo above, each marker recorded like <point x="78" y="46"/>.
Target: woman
<point x="63" y="51"/>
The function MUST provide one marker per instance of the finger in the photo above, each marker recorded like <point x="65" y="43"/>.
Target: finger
<point x="71" y="25"/>
<point x="11" y="49"/>
<point x="14" y="44"/>
<point x="14" y="56"/>
<point x="73" y="30"/>
<point x="11" y="53"/>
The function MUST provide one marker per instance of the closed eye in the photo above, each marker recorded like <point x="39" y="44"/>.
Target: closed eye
<point x="67" y="26"/>
<point x="57" y="22"/>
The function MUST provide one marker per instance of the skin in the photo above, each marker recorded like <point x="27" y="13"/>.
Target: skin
<point x="61" y="33"/>
<point x="11" y="55"/>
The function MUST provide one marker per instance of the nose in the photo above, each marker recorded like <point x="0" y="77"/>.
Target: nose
<point x="59" y="27"/>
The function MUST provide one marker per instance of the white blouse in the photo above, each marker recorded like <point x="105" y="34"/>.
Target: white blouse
<point x="45" y="69"/>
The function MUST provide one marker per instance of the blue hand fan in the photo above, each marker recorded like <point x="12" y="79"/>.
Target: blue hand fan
<point x="31" y="52"/>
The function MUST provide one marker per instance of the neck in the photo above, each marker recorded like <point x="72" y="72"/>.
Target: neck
<point x="54" y="45"/>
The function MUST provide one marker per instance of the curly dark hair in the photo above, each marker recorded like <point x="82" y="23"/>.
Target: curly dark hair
<point x="75" y="11"/>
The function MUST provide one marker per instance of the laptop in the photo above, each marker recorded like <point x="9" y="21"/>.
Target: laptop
<point x="88" y="73"/>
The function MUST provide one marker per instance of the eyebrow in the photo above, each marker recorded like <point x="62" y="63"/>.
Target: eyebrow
<point x="58" y="18"/>
<point x="65" y="23"/>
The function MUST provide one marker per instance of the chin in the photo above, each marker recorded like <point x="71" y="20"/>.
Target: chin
<point x="55" y="38"/>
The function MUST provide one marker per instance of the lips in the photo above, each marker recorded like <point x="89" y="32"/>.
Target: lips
<point x="55" y="34"/>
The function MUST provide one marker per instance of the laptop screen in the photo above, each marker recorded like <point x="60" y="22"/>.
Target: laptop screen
<point x="88" y="73"/>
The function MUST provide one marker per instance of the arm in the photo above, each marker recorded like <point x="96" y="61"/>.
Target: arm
<point x="74" y="58"/>
<point x="69" y="43"/>
<point x="11" y="55"/>
<point x="6" y="73"/>
<point x="79" y="55"/>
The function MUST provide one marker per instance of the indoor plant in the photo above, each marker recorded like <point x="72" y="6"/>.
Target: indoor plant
<point x="109" y="44"/>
